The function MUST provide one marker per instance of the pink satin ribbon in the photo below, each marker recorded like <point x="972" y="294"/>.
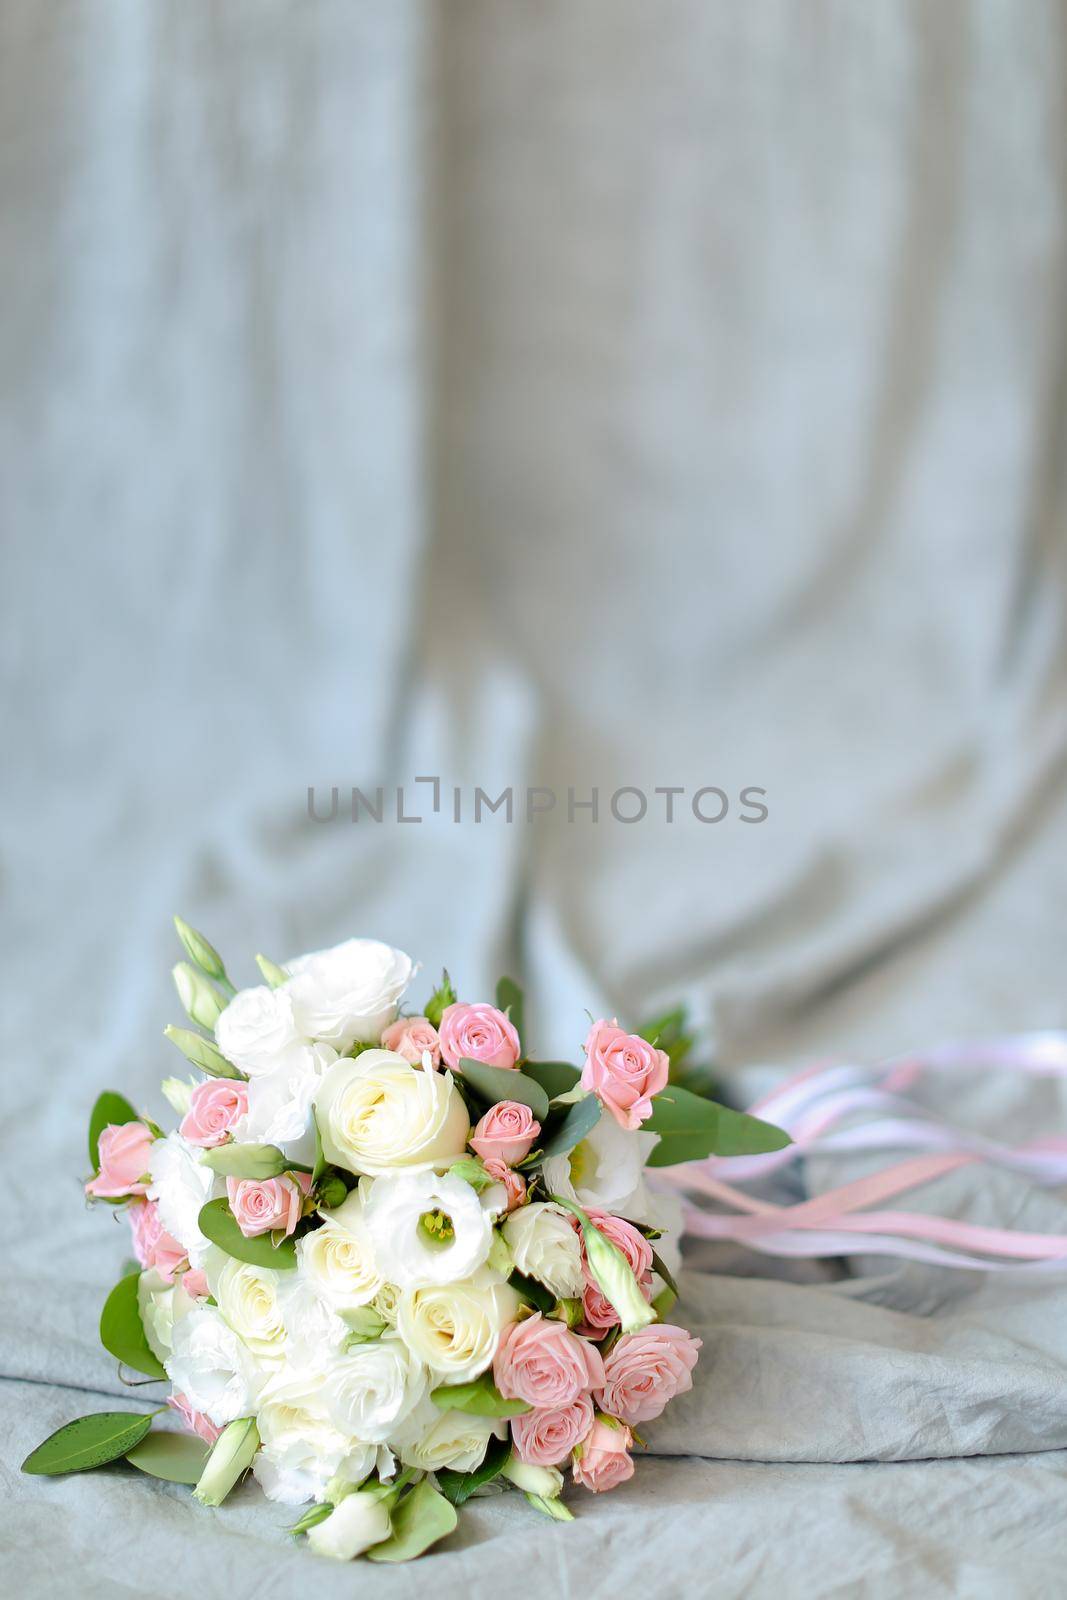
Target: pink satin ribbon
<point x="814" y="1101"/>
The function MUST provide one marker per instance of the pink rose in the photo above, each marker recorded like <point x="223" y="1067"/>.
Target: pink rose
<point x="124" y="1151"/>
<point x="645" y="1370"/>
<point x="152" y="1245"/>
<point x="195" y="1421"/>
<point x="598" y="1313"/>
<point x="605" y="1458"/>
<point x="624" y="1072"/>
<point x="544" y="1437"/>
<point x="481" y="1033"/>
<point x="505" y="1133"/>
<point x="261" y="1206"/>
<point x="513" y="1181"/>
<point x="214" y="1107"/>
<point x="542" y="1362"/>
<point x="411" y="1037"/>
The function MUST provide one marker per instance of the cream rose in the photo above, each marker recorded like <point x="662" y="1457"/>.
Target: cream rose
<point x="379" y="1112"/>
<point x="545" y="1246"/>
<point x="248" y="1299"/>
<point x="338" y="1259"/>
<point x="349" y="994"/>
<point x="455" y="1328"/>
<point x="433" y="1439"/>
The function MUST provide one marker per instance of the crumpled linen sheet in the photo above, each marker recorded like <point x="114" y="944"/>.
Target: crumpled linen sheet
<point x="576" y="394"/>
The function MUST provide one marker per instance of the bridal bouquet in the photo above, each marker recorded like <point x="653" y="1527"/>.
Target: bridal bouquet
<point x="387" y="1259"/>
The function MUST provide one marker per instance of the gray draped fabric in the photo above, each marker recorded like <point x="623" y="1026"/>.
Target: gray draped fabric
<point x="572" y="394"/>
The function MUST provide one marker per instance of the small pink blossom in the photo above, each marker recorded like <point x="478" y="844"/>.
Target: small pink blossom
<point x="479" y="1032"/>
<point x="195" y="1283"/>
<point x="152" y="1244"/>
<point x="195" y="1421"/>
<point x="124" y="1149"/>
<point x="598" y="1313"/>
<point x="214" y="1108"/>
<point x="624" y="1071"/>
<point x="514" y="1183"/>
<point x="645" y="1370"/>
<point x="505" y="1133"/>
<point x="267" y="1204"/>
<point x="542" y="1362"/>
<point x="412" y="1037"/>
<point x="544" y="1437"/>
<point x="604" y="1459"/>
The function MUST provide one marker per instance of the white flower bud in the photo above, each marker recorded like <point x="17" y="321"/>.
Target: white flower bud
<point x="230" y="1458"/>
<point x="359" y="1521"/>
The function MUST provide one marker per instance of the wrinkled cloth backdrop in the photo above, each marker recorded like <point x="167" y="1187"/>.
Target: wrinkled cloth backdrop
<point x="568" y="394"/>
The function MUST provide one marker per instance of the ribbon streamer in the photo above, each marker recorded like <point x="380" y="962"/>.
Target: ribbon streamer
<point x="811" y="1104"/>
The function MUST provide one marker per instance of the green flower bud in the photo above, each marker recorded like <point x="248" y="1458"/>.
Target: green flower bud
<point x="259" y="1161"/>
<point x="568" y="1311"/>
<point x="202" y="1003"/>
<point x="202" y="1053"/>
<point x="332" y="1192"/>
<point x="500" y="1257"/>
<point x="546" y="1482"/>
<point x="612" y="1273"/>
<point x="274" y="974"/>
<point x="201" y="953"/>
<point x="471" y="1170"/>
<point x="444" y="995"/>
<point x="230" y="1458"/>
<point x="551" y="1508"/>
<point x="178" y="1093"/>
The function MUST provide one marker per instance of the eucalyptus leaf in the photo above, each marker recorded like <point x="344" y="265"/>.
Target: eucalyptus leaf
<point x="218" y="1224"/>
<point x="691" y="1128"/>
<point x="581" y="1118"/>
<point x="510" y="998"/>
<point x="420" y="1519"/>
<point x="89" y="1442"/>
<point x="479" y="1398"/>
<point x="493" y="1084"/>
<point x="111" y="1109"/>
<point x="555" y="1077"/>
<point x="459" y="1486"/>
<point x="178" y="1457"/>
<point x="122" y="1331"/>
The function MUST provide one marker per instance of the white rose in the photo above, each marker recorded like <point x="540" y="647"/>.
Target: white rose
<point x="432" y="1439"/>
<point x="545" y="1246"/>
<point x="338" y="1259"/>
<point x="248" y="1299"/>
<point x="359" y="1521"/>
<point x="349" y="994"/>
<point x="430" y="1229"/>
<point x="455" y="1328"/>
<point x="379" y="1112"/>
<point x="301" y="1447"/>
<point x="279" y="1102"/>
<point x="603" y="1170"/>
<point x="369" y="1391"/>
<point x="257" y="1031"/>
<point x="182" y="1187"/>
<point x="210" y="1366"/>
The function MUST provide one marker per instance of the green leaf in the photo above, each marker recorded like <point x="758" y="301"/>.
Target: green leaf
<point x="510" y="998"/>
<point x="321" y="1162"/>
<point x="668" y="1033"/>
<point x="122" y="1332"/>
<point x="691" y="1128"/>
<point x="533" y="1291"/>
<point x="178" y="1457"/>
<point x="443" y="997"/>
<point x="421" y="1518"/>
<point x="218" y="1224"/>
<point x="555" y="1077"/>
<point x="110" y="1109"/>
<point x="660" y="1266"/>
<point x="580" y="1119"/>
<point x="89" y="1442"/>
<point x="459" y="1486"/>
<point x="479" y="1398"/>
<point x="493" y="1084"/>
